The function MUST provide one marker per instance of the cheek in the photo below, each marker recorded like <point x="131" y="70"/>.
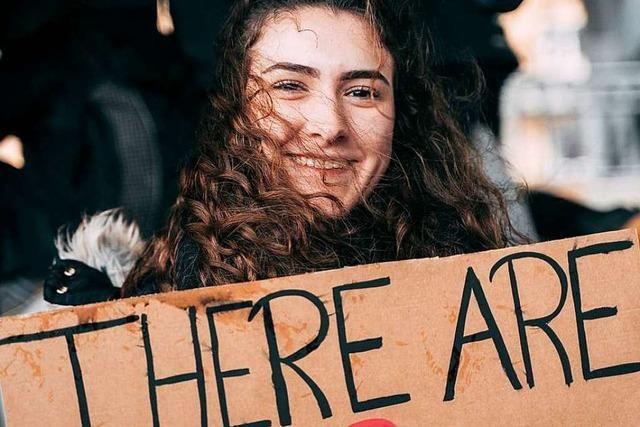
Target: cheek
<point x="280" y="121"/>
<point x="386" y="139"/>
<point x="374" y="133"/>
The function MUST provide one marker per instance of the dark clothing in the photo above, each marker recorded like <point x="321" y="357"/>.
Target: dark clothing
<point x="557" y="218"/>
<point x="186" y="276"/>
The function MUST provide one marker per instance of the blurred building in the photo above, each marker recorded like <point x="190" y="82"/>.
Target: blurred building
<point x="571" y="114"/>
<point x="613" y="33"/>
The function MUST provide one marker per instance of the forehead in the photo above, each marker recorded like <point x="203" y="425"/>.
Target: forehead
<point x="321" y="38"/>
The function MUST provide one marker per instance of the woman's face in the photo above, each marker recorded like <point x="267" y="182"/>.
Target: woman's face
<point x="332" y="116"/>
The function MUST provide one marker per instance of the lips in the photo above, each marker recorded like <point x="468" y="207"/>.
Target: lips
<point x="316" y="163"/>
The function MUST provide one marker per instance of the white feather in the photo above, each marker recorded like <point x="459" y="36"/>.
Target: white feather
<point x="106" y="242"/>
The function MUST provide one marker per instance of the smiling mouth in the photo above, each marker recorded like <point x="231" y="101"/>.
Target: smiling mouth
<point x="322" y="164"/>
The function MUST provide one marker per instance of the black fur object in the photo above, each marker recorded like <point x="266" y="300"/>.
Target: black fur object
<point x="72" y="282"/>
<point x="94" y="260"/>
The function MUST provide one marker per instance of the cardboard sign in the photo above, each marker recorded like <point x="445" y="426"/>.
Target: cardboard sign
<point x="546" y="334"/>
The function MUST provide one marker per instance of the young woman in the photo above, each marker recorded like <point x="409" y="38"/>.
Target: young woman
<point x="328" y="143"/>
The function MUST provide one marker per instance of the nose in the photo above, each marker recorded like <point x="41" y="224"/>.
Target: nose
<point x="326" y="122"/>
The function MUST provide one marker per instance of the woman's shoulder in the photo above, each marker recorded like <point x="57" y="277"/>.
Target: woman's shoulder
<point x="184" y="274"/>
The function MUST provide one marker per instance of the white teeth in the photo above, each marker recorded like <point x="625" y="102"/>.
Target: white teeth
<point x="317" y="163"/>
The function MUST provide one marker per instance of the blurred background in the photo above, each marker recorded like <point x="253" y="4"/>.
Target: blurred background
<point x="570" y="114"/>
<point x="100" y="102"/>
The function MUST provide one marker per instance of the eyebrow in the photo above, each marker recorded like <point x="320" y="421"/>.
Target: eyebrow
<point x="364" y="74"/>
<point x="314" y="72"/>
<point x="296" y="68"/>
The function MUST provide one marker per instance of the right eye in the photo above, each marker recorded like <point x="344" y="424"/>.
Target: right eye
<point x="289" y="86"/>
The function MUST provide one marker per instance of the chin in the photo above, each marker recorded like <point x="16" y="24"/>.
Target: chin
<point x="331" y="209"/>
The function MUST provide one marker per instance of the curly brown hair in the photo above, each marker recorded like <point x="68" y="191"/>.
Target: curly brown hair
<point x="239" y="219"/>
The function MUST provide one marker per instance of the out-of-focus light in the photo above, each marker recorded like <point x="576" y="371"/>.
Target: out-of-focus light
<point x="164" y="21"/>
<point x="11" y="151"/>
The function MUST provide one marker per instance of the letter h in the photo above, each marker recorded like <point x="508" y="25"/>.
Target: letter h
<point x="198" y="375"/>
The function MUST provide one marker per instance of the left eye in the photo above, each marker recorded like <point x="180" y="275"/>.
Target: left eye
<point x="362" y="92"/>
